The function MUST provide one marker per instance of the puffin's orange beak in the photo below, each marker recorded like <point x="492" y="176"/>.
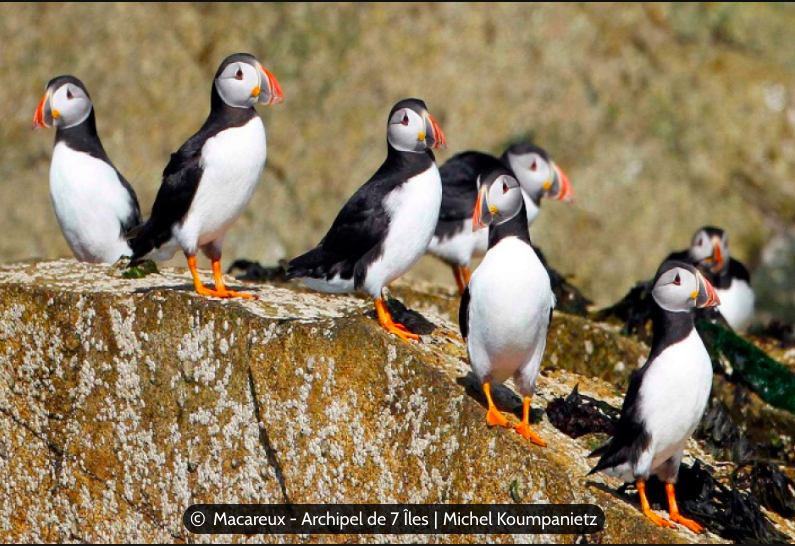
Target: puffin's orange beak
<point x="38" y="118"/>
<point x="436" y="133"/>
<point x="707" y="297"/>
<point x="275" y="95"/>
<point x="480" y="219"/>
<point x="717" y="256"/>
<point x="566" y="191"/>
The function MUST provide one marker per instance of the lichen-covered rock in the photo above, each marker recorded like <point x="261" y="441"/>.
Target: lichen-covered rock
<point x="123" y="402"/>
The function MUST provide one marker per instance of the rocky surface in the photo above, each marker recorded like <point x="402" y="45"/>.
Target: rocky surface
<point x="123" y="402"/>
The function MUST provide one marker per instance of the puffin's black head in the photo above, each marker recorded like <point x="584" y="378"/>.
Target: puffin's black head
<point x="537" y="173"/>
<point x="241" y="82"/>
<point x="710" y="249"/>
<point x="412" y="129"/>
<point x="680" y="287"/>
<point x="65" y="103"/>
<point x="499" y="197"/>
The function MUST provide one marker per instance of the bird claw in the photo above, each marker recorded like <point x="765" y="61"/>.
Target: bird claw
<point x="658" y="520"/>
<point x="223" y="294"/>
<point x="687" y="522"/>
<point x="402" y="332"/>
<point x="528" y="434"/>
<point x="495" y="418"/>
<point x="233" y="294"/>
<point x="211" y="293"/>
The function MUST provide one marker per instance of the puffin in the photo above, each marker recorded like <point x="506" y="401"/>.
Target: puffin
<point x="95" y="205"/>
<point x="506" y="308"/>
<point x="210" y="180"/>
<point x="454" y="241"/>
<point x="667" y="397"/>
<point x="709" y="252"/>
<point x="386" y="226"/>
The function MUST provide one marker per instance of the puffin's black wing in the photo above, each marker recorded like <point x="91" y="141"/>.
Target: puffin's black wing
<point x="459" y="183"/>
<point x="358" y="229"/>
<point x="180" y="181"/>
<point x="631" y="437"/>
<point x="355" y="237"/>
<point x="463" y="313"/>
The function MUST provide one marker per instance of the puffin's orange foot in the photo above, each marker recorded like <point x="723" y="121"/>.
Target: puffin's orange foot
<point x="385" y="319"/>
<point x="673" y="511"/>
<point x="220" y="286"/>
<point x="495" y="418"/>
<point x="401" y="331"/>
<point x="657" y="520"/>
<point x="204" y="291"/>
<point x="233" y="294"/>
<point x="687" y="522"/>
<point x="524" y="429"/>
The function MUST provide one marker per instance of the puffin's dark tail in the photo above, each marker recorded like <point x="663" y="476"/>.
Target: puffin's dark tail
<point x="144" y="239"/>
<point x="310" y="264"/>
<point x="610" y="456"/>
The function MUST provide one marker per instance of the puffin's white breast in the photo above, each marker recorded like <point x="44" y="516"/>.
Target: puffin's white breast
<point x="90" y="203"/>
<point x="232" y="163"/>
<point x="510" y="302"/>
<point x="413" y="210"/>
<point x="674" y="395"/>
<point x="737" y="304"/>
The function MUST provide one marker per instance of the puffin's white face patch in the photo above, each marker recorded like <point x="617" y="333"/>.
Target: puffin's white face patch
<point x="676" y="290"/>
<point x="239" y="85"/>
<point x="406" y="131"/>
<point x="69" y="106"/>
<point x="505" y="199"/>
<point x="533" y="172"/>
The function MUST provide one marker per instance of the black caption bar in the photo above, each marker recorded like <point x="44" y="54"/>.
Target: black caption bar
<point x="393" y="518"/>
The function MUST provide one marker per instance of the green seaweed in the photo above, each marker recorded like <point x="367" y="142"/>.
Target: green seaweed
<point x="771" y="380"/>
<point x="140" y="271"/>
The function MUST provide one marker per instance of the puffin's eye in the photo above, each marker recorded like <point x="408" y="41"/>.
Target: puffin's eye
<point x="504" y="188"/>
<point x="534" y="166"/>
<point x="239" y="74"/>
<point x="677" y="280"/>
<point x="405" y="120"/>
<point x="69" y="94"/>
